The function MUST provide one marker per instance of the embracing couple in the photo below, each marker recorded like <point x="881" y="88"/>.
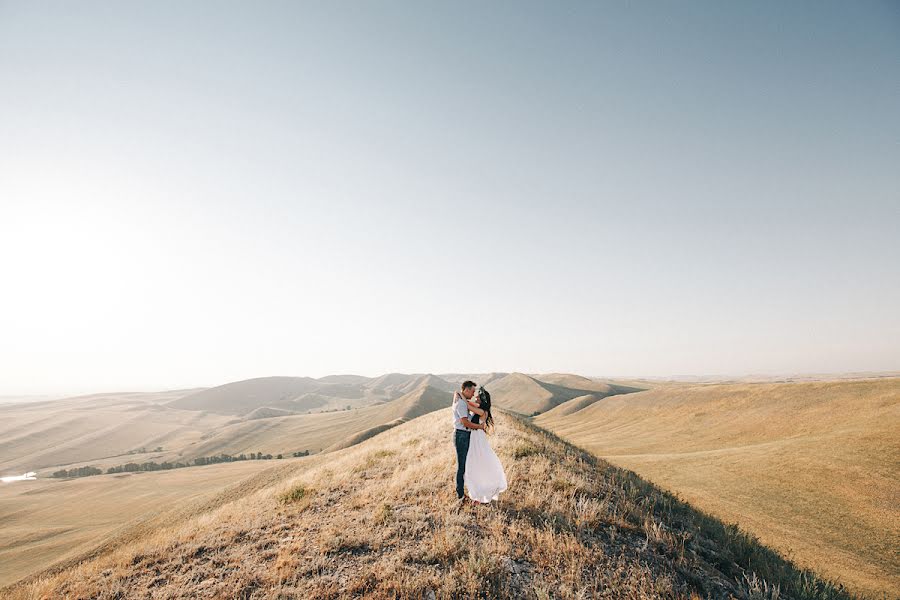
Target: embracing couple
<point x="477" y="467"/>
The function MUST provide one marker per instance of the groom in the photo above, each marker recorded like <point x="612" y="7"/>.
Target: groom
<point x="462" y="425"/>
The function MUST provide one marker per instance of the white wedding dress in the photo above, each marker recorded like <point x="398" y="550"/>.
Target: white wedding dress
<point x="484" y="475"/>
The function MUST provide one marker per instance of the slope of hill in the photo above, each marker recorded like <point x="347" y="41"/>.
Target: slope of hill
<point x="527" y="395"/>
<point x="351" y="379"/>
<point x="572" y="406"/>
<point x="242" y="397"/>
<point x="420" y="401"/>
<point x="313" y="432"/>
<point x="811" y="468"/>
<point x="575" y="382"/>
<point x="378" y="520"/>
<point x="394" y="385"/>
<point x="51" y="520"/>
<point x="264" y="412"/>
<point x="39" y="435"/>
<point x="480" y="378"/>
<point x="300" y="395"/>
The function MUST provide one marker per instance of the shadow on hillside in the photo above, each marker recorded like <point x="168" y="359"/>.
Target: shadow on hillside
<point x="738" y="555"/>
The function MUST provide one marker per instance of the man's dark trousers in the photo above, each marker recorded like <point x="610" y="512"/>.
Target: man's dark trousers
<point x="461" y="441"/>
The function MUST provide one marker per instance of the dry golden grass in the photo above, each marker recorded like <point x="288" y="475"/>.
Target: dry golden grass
<point x="527" y="395"/>
<point x="318" y="431"/>
<point x="304" y="394"/>
<point x="52" y="520"/>
<point x="811" y="468"/>
<point x="380" y="520"/>
<point x="100" y="430"/>
<point x="44" y="435"/>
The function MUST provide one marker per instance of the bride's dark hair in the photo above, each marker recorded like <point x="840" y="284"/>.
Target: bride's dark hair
<point x="484" y="400"/>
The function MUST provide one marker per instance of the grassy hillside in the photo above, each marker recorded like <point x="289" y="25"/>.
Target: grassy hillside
<point x="316" y="431"/>
<point x="296" y="394"/>
<point x="52" y="520"/>
<point x="577" y="382"/>
<point x="528" y="395"/>
<point x="811" y="468"/>
<point x="420" y="401"/>
<point x="355" y="379"/>
<point x="379" y="520"/>
<point x="111" y="429"/>
<point x="479" y="378"/>
<point x="574" y="405"/>
<point x="301" y="395"/>
<point x="40" y="435"/>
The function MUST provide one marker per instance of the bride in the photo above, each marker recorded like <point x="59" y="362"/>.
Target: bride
<point x="484" y="475"/>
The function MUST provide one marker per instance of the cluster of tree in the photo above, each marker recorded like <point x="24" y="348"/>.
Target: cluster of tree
<point x="211" y="460"/>
<point x="133" y="467"/>
<point x="143" y="450"/>
<point x="78" y="472"/>
<point x="313" y="411"/>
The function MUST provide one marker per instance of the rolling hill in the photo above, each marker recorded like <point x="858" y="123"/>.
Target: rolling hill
<point x="575" y="382"/>
<point x="316" y="431"/>
<point x="351" y="379"/>
<point x="105" y="430"/>
<point x="479" y="378"/>
<point x="56" y="521"/>
<point x="295" y="394"/>
<point x="574" y="405"/>
<point x="42" y="435"/>
<point x="811" y="468"/>
<point x="423" y="400"/>
<point x="301" y="395"/>
<point x="808" y="467"/>
<point x="380" y="520"/>
<point x="529" y="395"/>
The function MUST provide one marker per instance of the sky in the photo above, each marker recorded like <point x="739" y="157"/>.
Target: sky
<point x="196" y="193"/>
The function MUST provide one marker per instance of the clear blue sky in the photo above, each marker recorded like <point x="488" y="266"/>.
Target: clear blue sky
<point x="193" y="193"/>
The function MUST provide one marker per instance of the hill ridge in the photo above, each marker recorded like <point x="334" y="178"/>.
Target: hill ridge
<point x="529" y="395"/>
<point x="375" y="520"/>
<point x="422" y="400"/>
<point x="804" y="465"/>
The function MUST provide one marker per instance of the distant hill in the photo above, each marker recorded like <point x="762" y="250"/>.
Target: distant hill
<point x="379" y="520"/>
<point x="480" y="378"/>
<point x="297" y="395"/>
<point x="575" y="382"/>
<point x="283" y="395"/>
<point x="574" y="405"/>
<point x="351" y="379"/>
<point x="422" y="400"/>
<point x="242" y="397"/>
<point x="527" y="395"/>
<point x="39" y="435"/>
<point x="394" y="385"/>
<point x="315" y="432"/>
<point x="264" y="412"/>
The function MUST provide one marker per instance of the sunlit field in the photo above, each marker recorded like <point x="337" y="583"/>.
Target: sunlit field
<point x="811" y="468"/>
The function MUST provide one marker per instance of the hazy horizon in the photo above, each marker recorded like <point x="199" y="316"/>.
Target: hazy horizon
<point x="702" y="378"/>
<point x="204" y="193"/>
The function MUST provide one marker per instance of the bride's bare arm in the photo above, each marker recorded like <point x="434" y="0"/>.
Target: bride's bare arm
<point x="475" y="409"/>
